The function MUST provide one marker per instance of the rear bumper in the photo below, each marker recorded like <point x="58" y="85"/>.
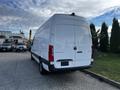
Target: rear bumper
<point x="52" y="68"/>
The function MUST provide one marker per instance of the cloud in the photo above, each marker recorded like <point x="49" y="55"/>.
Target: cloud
<point x="85" y="8"/>
<point x="17" y="18"/>
<point x="4" y="20"/>
<point x="26" y="14"/>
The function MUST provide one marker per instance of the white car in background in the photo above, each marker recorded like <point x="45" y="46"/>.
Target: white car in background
<point x="20" y="47"/>
<point x="6" y="47"/>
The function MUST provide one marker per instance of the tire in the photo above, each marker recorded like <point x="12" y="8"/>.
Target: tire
<point x="41" y="69"/>
<point x="32" y="57"/>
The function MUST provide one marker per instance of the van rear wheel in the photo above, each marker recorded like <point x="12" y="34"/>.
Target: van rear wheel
<point x="41" y="69"/>
<point x="32" y="57"/>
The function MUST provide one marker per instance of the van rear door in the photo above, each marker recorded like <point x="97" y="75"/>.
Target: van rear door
<point x="72" y="44"/>
<point x="83" y="46"/>
<point x="64" y="41"/>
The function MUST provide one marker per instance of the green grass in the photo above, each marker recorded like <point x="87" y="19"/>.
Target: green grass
<point x="108" y="65"/>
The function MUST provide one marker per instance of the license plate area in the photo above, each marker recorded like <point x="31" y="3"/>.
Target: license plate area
<point x="64" y="63"/>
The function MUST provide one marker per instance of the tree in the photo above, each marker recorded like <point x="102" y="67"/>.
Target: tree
<point x="94" y="36"/>
<point x="104" y="38"/>
<point x="115" y="36"/>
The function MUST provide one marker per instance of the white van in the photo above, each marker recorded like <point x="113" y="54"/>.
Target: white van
<point x="63" y="43"/>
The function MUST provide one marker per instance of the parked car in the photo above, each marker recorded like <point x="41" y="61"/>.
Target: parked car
<point x="21" y="47"/>
<point x="63" y="43"/>
<point x="6" y="47"/>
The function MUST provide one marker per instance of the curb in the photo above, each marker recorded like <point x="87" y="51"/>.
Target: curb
<point x="102" y="78"/>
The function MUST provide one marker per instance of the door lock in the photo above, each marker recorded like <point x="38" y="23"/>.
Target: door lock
<point x="75" y="48"/>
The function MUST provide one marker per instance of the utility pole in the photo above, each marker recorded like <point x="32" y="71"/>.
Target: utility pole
<point x="30" y="40"/>
<point x="30" y="35"/>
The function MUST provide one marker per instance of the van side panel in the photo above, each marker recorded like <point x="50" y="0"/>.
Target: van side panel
<point x="42" y="40"/>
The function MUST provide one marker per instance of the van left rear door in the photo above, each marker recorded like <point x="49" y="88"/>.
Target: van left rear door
<point x="64" y="42"/>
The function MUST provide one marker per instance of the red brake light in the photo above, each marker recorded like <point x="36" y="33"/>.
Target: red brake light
<point x="50" y="53"/>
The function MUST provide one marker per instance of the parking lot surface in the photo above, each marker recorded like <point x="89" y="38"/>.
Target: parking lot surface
<point x="18" y="72"/>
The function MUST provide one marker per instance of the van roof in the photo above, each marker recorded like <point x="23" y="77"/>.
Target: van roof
<point x="62" y="17"/>
<point x="69" y="15"/>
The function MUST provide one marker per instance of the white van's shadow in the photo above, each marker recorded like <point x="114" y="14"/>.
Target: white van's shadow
<point x="62" y="78"/>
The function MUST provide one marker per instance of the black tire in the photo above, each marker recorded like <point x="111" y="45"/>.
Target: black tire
<point x="41" y="69"/>
<point x="32" y="57"/>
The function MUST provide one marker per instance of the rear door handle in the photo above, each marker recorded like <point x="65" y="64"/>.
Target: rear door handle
<point x="75" y="48"/>
<point x="79" y="52"/>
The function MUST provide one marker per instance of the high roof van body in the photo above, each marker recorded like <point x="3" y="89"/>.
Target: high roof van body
<point x="63" y="43"/>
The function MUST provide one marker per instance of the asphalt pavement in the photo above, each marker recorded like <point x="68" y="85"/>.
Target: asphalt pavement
<point x="18" y="72"/>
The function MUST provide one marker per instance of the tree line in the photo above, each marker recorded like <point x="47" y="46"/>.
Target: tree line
<point x="101" y="40"/>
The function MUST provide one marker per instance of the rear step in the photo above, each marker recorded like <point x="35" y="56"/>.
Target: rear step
<point x="60" y="60"/>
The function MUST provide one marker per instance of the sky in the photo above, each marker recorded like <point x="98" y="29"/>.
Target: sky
<point x="16" y="15"/>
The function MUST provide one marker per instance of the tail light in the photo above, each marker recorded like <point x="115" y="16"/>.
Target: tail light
<point x="50" y="53"/>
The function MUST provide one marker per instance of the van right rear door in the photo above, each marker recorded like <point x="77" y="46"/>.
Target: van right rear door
<point x="83" y="46"/>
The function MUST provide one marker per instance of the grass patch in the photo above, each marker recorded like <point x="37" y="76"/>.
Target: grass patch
<point x="108" y="65"/>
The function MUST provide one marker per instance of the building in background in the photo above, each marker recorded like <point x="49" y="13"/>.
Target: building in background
<point x="17" y="37"/>
<point x="12" y="37"/>
<point x="4" y="35"/>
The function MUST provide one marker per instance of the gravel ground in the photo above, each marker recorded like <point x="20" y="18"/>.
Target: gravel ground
<point x="18" y="72"/>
